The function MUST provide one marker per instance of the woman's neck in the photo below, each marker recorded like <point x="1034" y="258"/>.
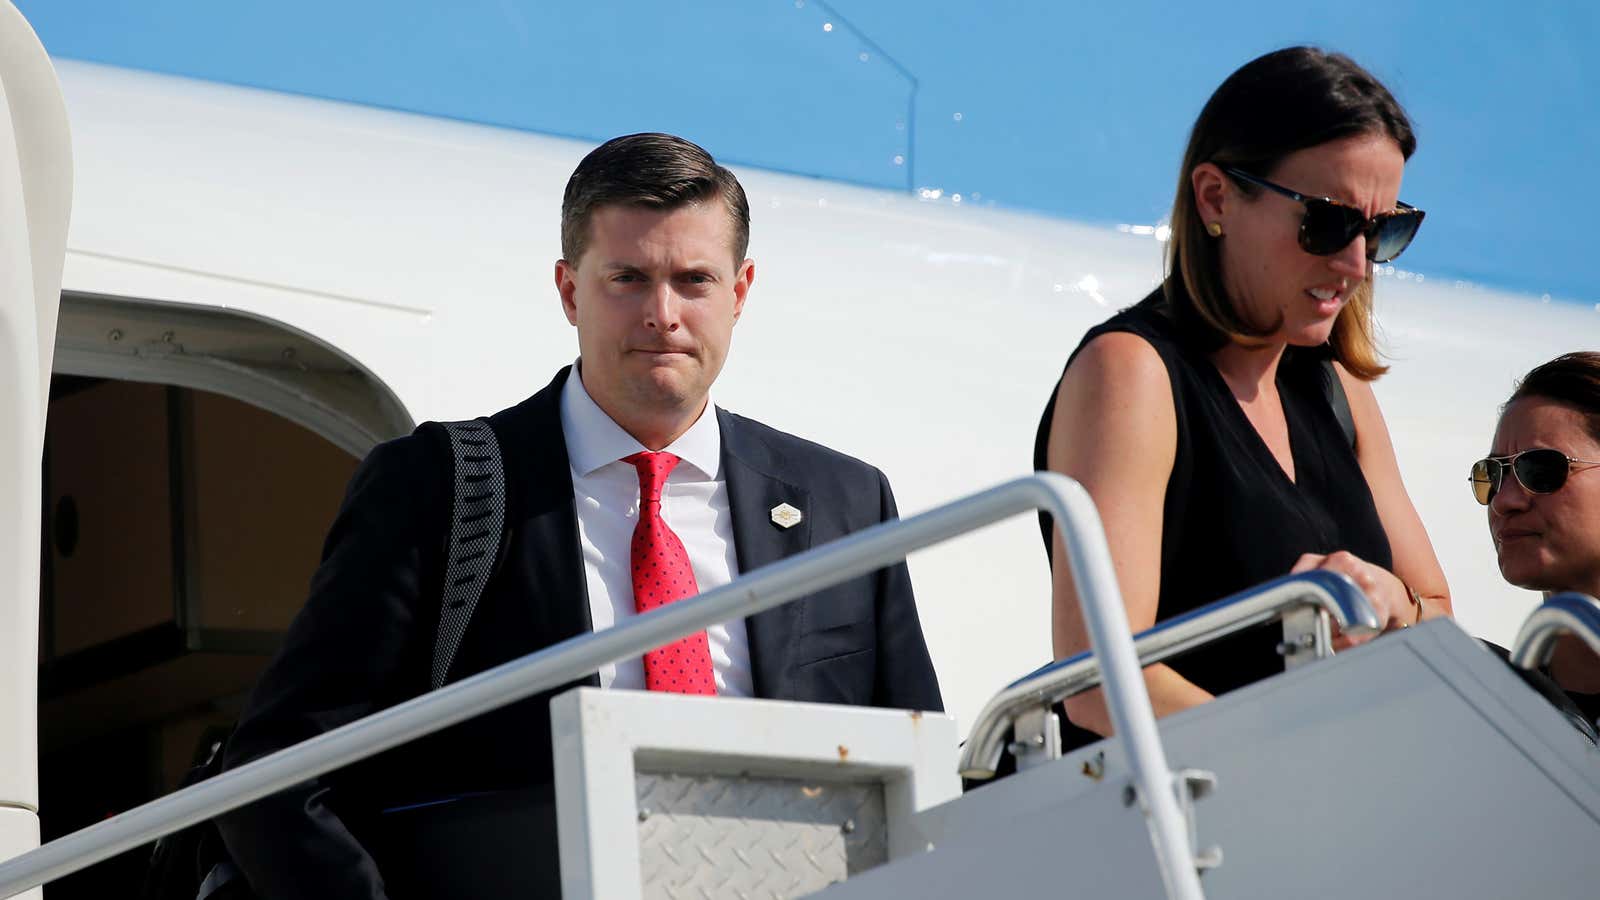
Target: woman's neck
<point x="1249" y="369"/>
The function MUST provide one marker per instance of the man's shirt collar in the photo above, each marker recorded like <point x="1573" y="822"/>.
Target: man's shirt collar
<point x="595" y="440"/>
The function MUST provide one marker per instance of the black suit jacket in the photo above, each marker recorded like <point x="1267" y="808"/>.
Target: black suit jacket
<point x="365" y="638"/>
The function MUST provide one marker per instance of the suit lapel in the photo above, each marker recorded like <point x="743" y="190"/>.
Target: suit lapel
<point x="753" y="492"/>
<point x="546" y="547"/>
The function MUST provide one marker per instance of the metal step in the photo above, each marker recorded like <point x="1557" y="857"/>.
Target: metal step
<point x="1415" y="765"/>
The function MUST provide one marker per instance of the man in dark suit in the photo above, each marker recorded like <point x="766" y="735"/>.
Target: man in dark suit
<point x="618" y="471"/>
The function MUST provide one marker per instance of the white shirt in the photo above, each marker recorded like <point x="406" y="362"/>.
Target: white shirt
<point x="694" y="504"/>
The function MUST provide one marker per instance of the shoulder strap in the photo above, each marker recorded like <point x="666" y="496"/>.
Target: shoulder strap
<point x="1333" y="388"/>
<point x="477" y="520"/>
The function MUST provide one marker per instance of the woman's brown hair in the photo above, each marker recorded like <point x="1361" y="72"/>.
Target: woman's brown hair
<point x="1274" y="105"/>
<point x="1572" y="379"/>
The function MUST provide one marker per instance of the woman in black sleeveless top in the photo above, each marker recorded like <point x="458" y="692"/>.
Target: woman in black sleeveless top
<point x="1201" y="420"/>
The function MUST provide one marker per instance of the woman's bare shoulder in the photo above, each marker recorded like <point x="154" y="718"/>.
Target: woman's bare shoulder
<point x="1119" y="360"/>
<point x="1117" y="394"/>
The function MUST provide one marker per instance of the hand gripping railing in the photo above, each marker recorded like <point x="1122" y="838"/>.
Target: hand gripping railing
<point x="1321" y="590"/>
<point x="1568" y="613"/>
<point x="770" y="586"/>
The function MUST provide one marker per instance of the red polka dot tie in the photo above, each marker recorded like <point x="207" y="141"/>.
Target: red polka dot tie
<point x="661" y="574"/>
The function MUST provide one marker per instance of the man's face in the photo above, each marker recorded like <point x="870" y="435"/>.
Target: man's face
<point x="654" y="297"/>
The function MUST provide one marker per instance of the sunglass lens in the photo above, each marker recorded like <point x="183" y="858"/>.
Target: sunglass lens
<point x="1485" y="479"/>
<point x="1542" y="471"/>
<point x="1328" y="227"/>
<point x="1394" y="234"/>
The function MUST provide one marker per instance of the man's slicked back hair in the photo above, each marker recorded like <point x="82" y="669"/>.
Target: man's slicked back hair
<point x="655" y="171"/>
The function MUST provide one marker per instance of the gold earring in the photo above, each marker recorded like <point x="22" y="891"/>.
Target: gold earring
<point x="1214" y="229"/>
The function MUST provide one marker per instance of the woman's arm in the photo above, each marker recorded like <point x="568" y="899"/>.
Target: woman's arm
<point x="1115" y="431"/>
<point x="1415" y="565"/>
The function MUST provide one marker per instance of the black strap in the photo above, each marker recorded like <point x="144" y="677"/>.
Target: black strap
<point x="1333" y="388"/>
<point x="477" y="520"/>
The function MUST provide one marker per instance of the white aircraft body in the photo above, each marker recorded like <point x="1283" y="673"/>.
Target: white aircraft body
<point x="354" y="271"/>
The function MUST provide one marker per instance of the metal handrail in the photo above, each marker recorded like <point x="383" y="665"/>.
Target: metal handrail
<point x="805" y="573"/>
<point x="1328" y="591"/>
<point x="1566" y="613"/>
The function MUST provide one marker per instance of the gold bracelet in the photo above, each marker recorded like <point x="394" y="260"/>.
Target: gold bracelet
<point x="1416" y="599"/>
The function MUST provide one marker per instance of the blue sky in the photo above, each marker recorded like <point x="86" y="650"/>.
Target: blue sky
<point x="1069" y="108"/>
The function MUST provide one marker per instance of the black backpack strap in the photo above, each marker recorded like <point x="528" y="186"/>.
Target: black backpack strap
<point x="478" y="518"/>
<point x="1333" y="389"/>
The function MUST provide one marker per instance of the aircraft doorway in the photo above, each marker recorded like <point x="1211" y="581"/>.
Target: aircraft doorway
<point x="181" y="529"/>
<point x="181" y="526"/>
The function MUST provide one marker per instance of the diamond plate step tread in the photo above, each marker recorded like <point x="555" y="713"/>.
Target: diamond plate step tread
<point x="746" y="837"/>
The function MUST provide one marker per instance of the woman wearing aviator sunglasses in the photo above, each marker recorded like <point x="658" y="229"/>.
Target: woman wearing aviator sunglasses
<point x="1541" y="483"/>
<point x="1224" y="425"/>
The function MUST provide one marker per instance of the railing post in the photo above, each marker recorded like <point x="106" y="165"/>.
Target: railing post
<point x="1565" y="613"/>
<point x="1127" y="697"/>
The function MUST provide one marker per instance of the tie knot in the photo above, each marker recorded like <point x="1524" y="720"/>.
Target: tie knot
<point x="654" y="467"/>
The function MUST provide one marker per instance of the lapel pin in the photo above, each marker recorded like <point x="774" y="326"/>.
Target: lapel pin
<point x="786" y="516"/>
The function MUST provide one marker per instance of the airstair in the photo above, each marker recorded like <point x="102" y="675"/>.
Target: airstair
<point x="1418" y="764"/>
<point x="1415" y="763"/>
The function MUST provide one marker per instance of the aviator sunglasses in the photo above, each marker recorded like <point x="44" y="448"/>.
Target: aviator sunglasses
<point x="1329" y="226"/>
<point x="1540" y="470"/>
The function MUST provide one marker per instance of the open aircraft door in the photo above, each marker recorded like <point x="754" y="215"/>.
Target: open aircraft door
<point x="35" y="204"/>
